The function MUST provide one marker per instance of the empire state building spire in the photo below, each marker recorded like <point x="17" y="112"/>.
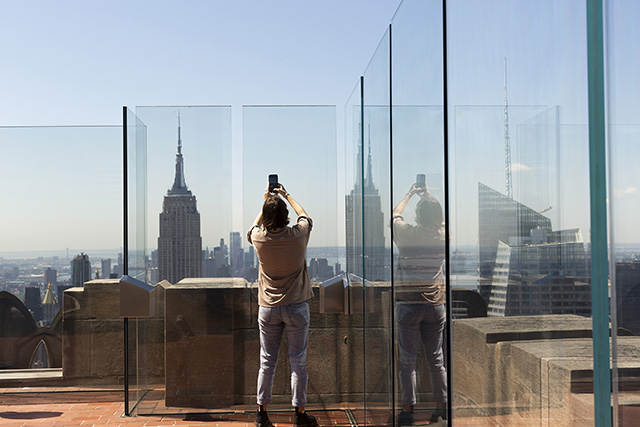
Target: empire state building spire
<point x="369" y="181"/>
<point x="508" y="178"/>
<point x="179" y="184"/>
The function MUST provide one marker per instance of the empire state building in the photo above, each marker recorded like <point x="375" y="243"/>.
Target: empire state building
<point x="367" y="255"/>
<point x="180" y="243"/>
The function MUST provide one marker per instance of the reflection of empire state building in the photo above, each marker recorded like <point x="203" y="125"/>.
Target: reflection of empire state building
<point x="373" y="258"/>
<point x="180" y="243"/>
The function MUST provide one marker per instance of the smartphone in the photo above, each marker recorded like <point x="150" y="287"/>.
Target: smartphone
<point x="421" y="181"/>
<point x="273" y="183"/>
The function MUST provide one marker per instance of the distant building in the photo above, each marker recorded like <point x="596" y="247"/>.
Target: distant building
<point x="33" y="302"/>
<point x="319" y="269"/>
<point x="236" y="254"/>
<point x="49" y="307"/>
<point x="153" y="267"/>
<point x="372" y="260"/>
<point x="209" y="267"/>
<point x="61" y="289"/>
<point x="249" y="258"/>
<point x="180" y="242"/>
<point x="502" y="219"/>
<point x="80" y="270"/>
<point x="628" y="296"/>
<point x="118" y="269"/>
<point x="535" y="270"/>
<point x="215" y="263"/>
<point x="500" y="285"/>
<point x="221" y="260"/>
<point x="106" y="268"/>
<point x="50" y="276"/>
<point x="518" y="291"/>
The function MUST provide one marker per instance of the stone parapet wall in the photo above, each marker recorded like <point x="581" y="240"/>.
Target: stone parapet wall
<point x="92" y="334"/>
<point x="205" y="346"/>
<point x="213" y="348"/>
<point x="530" y="364"/>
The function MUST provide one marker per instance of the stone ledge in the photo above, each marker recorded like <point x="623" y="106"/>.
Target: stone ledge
<point x="213" y="283"/>
<point x="30" y="374"/>
<point x="525" y="328"/>
<point x="499" y="363"/>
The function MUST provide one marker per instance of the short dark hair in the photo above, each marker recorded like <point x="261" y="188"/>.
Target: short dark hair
<point x="274" y="213"/>
<point x="429" y="213"/>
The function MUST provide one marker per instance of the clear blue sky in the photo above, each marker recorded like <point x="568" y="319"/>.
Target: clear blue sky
<point x="78" y="62"/>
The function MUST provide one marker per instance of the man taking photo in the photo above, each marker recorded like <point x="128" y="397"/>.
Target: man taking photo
<point x="284" y="291"/>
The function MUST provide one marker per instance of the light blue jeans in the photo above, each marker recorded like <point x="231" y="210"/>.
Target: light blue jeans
<point x="421" y="323"/>
<point x="294" y="320"/>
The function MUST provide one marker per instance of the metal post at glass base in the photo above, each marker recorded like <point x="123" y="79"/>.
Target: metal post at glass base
<point x="125" y="254"/>
<point x="447" y="227"/>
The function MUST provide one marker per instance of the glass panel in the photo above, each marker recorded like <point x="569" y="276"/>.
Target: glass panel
<point x="61" y="227"/>
<point x="520" y="210"/>
<point x="188" y="192"/>
<point x="624" y="134"/>
<point x="417" y="217"/>
<point x="136" y="240"/>
<point x="299" y="145"/>
<point x="353" y="122"/>
<point x="137" y="196"/>
<point x="376" y="188"/>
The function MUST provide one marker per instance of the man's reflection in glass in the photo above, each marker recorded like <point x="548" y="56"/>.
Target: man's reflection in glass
<point x="420" y="299"/>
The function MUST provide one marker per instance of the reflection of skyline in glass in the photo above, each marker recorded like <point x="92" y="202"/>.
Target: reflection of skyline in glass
<point x="363" y="205"/>
<point x="521" y="258"/>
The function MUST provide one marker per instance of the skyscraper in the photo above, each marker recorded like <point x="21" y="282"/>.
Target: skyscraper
<point x="534" y="270"/>
<point x="236" y="254"/>
<point x="628" y="295"/>
<point x="319" y="269"/>
<point x="371" y="222"/>
<point x="50" y="276"/>
<point x="503" y="219"/>
<point x="33" y="303"/>
<point x="179" y="243"/>
<point x="106" y="268"/>
<point x="249" y="258"/>
<point x="80" y="270"/>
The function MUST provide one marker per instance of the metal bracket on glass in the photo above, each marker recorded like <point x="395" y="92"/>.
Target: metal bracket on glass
<point x="137" y="298"/>
<point x="346" y="294"/>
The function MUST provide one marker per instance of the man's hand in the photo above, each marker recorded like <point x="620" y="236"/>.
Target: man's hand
<point x="423" y="192"/>
<point x="281" y="191"/>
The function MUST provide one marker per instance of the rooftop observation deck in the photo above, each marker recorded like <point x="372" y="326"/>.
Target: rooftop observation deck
<point x="520" y="371"/>
<point x="92" y="406"/>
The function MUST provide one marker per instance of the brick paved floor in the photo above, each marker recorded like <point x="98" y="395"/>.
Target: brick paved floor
<point x="77" y="406"/>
